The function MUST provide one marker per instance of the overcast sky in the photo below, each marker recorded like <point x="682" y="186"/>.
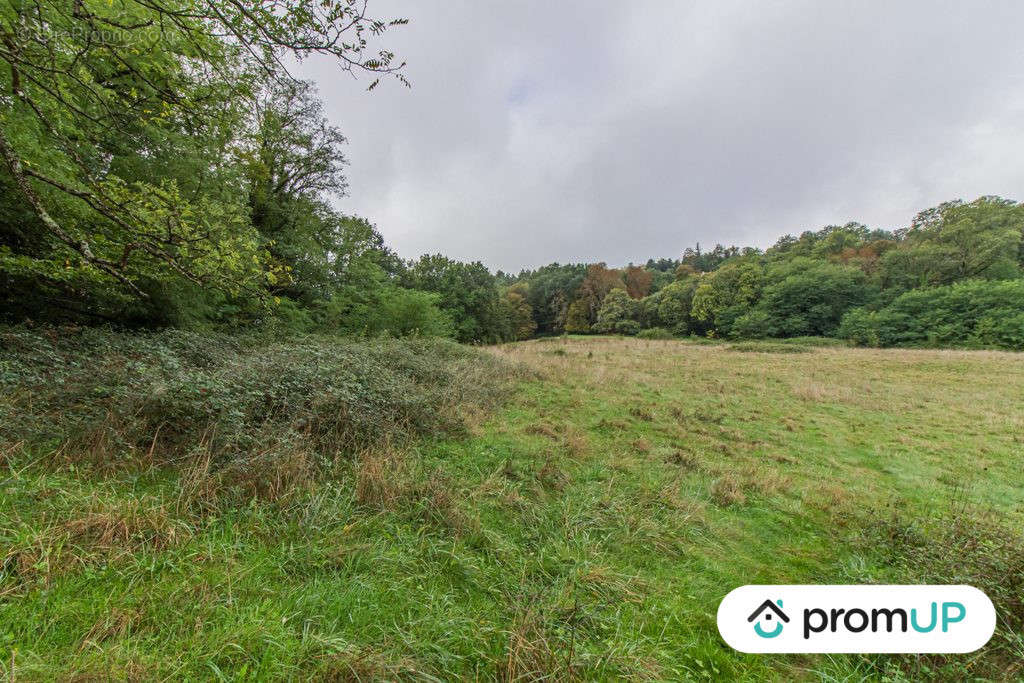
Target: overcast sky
<point x="539" y="131"/>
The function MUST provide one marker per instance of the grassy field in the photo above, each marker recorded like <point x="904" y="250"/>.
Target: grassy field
<point x="585" y="529"/>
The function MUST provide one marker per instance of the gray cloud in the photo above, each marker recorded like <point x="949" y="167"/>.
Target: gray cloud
<point x="538" y="132"/>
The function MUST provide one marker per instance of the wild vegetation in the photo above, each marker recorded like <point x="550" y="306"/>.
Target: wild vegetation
<point x="572" y="509"/>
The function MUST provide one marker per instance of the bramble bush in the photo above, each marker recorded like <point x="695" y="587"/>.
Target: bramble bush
<point x="107" y="396"/>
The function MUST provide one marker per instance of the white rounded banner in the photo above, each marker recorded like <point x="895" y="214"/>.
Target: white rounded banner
<point x="856" y="619"/>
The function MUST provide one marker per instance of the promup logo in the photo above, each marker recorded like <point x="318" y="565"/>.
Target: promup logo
<point x="766" y="612"/>
<point x="856" y="619"/>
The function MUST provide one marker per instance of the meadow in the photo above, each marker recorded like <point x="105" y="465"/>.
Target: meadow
<point x="556" y="509"/>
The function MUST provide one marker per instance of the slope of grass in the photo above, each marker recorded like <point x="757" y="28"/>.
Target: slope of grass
<point x="586" y="528"/>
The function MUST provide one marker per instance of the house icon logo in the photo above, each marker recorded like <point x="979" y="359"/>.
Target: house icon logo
<point x="765" y="614"/>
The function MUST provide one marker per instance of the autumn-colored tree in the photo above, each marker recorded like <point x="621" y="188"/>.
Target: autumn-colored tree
<point x="599" y="281"/>
<point x="638" y="281"/>
<point x="685" y="270"/>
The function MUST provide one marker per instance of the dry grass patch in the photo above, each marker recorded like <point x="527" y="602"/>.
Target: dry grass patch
<point x="728" y="490"/>
<point x="684" y="459"/>
<point x="531" y="654"/>
<point x="118" y="623"/>
<point x="105" y="531"/>
<point x="765" y="480"/>
<point x="642" y="413"/>
<point x="386" y="481"/>
<point x="551" y="476"/>
<point x="576" y="443"/>
<point x="542" y="429"/>
<point x="363" y="665"/>
<point x="641" y="445"/>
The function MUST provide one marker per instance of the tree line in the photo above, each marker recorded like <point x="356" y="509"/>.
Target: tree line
<point x="161" y="168"/>
<point x="954" y="276"/>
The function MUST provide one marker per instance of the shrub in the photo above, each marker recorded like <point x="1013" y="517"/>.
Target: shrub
<point x="812" y="299"/>
<point x="975" y="313"/>
<point x="386" y="309"/>
<point x="960" y="546"/>
<point x="756" y="324"/>
<point x="113" y="396"/>
<point x="815" y="341"/>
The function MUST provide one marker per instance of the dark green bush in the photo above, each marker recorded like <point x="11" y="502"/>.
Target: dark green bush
<point x="815" y="341"/>
<point x="974" y="314"/>
<point x="811" y="300"/>
<point x="958" y="546"/>
<point x="756" y="324"/>
<point x="169" y="392"/>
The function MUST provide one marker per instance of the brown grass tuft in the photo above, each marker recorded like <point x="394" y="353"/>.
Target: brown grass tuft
<point x="379" y="479"/>
<point x="642" y="413"/>
<point x="552" y="477"/>
<point x="685" y="459"/>
<point x="728" y="490"/>
<point x="531" y="654"/>
<point x="385" y="481"/>
<point x="641" y="445"/>
<point x="118" y="623"/>
<point x="576" y="443"/>
<point x="542" y="429"/>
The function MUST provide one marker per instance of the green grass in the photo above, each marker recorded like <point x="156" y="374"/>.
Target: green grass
<point x="586" y="528"/>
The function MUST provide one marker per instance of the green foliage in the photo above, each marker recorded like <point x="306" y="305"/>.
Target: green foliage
<point x="551" y="290"/>
<point x="599" y="281"/>
<point x="670" y="306"/>
<point x="175" y="391"/>
<point x="577" y="320"/>
<point x="727" y="293"/>
<point x="802" y="286"/>
<point x="809" y="298"/>
<point x="617" y="314"/>
<point x="146" y="146"/>
<point x="518" y="312"/>
<point x="830" y="243"/>
<point x="379" y="307"/>
<point x="975" y="313"/>
<point x="467" y="292"/>
<point x="757" y="323"/>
